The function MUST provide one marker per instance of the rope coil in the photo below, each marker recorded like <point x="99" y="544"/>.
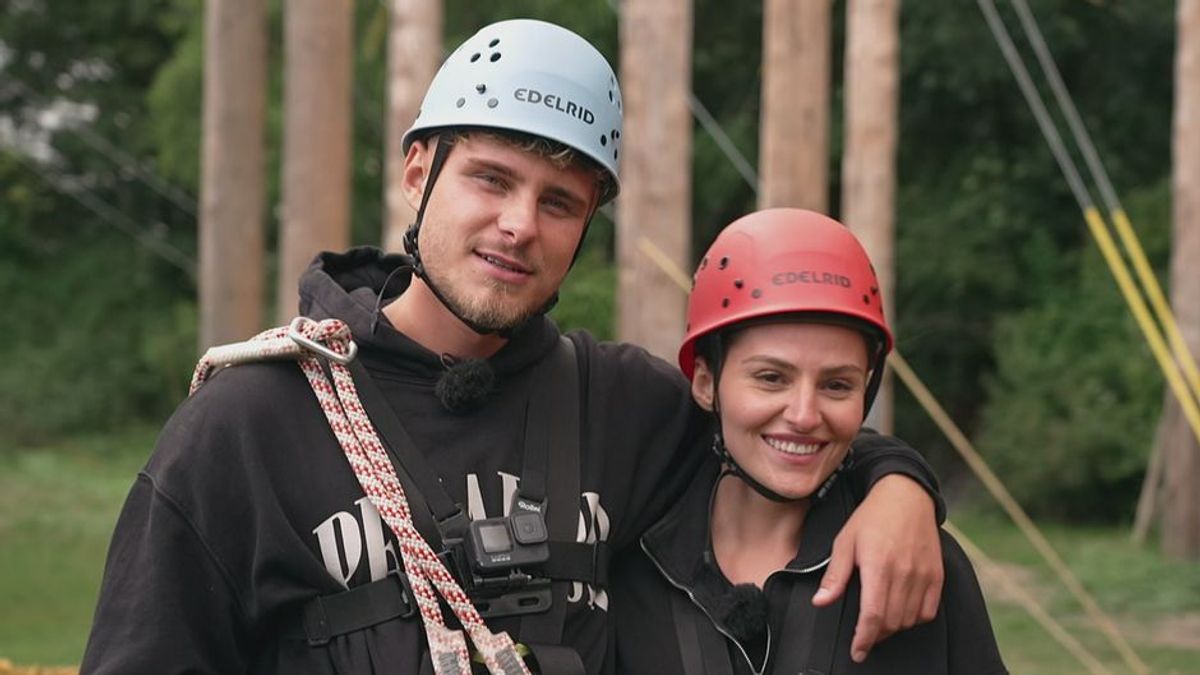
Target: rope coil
<point x="303" y="341"/>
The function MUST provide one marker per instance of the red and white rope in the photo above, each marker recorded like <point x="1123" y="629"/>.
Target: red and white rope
<point x="375" y="473"/>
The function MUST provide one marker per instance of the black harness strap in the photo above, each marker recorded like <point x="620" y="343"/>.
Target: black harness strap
<point x="327" y="616"/>
<point x="549" y="476"/>
<point x="552" y="458"/>
<point x="429" y="496"/>
<point x="687" y="632"/>
<point x="578" y="561"/>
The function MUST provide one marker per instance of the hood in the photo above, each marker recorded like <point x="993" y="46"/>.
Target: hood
<point x="347" y="286"/>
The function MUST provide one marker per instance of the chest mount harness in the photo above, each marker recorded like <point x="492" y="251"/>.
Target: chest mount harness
<point x="520" y="564"/>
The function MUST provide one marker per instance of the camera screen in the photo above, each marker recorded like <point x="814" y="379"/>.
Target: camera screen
<point x="494" y="538"/>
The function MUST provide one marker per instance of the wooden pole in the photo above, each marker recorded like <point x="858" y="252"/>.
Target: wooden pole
<point x="869" y="160"/>
<point x="414" y="54"/>
<point x="655" y="202"/>
<point x="794" y="129"/>
<point x="232" y="187"/>
<point x="1181" y="452"/>
<point x="318" y="36"/>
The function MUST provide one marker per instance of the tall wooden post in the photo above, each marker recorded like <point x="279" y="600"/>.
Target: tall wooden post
<point x="316" y="138"/>
<point x="654" y="209"/>
<point x="414" y="53"/>
<point x="869" y="161"/>
<point x="1181" y="452"/>
<point x="794" y="125"/>
<point x="232" y="188"/>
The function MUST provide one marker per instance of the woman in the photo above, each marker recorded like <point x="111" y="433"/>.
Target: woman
<point x="786" y="344"/>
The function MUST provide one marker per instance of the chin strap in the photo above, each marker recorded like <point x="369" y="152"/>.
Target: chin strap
<point x="412" y="235"/>
<point x="732" y="468"/>
<point x="412" y="246"/>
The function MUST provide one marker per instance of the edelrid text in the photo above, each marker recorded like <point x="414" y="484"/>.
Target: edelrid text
<point x="810" y="277"/>
<point x="556" y="102"/>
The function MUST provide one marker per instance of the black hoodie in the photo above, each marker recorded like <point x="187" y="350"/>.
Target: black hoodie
<point x="248" y="508"/>
<point x="677" y="613"/>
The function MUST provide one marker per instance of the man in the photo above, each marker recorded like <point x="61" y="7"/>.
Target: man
<point x="247" y="544"/>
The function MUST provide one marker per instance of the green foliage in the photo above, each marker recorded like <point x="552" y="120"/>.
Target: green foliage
<point x="587" y="300"/>
<point x="98" y="331"/>
<point x="1072" y="406"/>
<point x="1001" y="304"/>
<point x="986" y="227"/>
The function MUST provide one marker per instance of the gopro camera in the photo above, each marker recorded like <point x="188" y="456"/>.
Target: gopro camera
<point x="515" y="541"/>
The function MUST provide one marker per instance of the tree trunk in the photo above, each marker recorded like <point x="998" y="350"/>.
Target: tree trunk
<point x="794" y="138"/>
<point x="869" y="161"/>
<point x="655" y="204"/>
<point x="1181" y="452"/>
<point x="414" y="54"/>
<point x="316" y="138"/>
<point x="232" y="181"/>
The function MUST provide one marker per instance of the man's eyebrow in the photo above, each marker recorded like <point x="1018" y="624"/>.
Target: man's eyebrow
<point x="575" y="200"/>
<point x="556" y="190"/>
<point x="492" y="166"/>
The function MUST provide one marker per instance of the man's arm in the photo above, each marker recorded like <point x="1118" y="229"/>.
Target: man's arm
<point x="164" y="604"/>
<point x="892" y="538"/>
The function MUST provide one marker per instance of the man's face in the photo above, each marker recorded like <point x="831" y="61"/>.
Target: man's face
<point x="501" y="227"/>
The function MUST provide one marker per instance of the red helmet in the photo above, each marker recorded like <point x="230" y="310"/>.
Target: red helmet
<point x="782" y="261"/>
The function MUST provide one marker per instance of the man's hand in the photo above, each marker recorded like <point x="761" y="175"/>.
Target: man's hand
<point x="892" y="538"/>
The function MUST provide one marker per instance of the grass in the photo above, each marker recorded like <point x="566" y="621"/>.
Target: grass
<point x="57" y="509"/>
<point x="1155" y="602"/>
<point x="58" y="505"/>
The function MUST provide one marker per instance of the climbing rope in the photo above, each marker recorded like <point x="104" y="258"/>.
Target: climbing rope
<point x="307" y="341"/>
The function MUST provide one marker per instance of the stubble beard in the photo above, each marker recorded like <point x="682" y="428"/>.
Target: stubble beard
<point x="491" y="307"/>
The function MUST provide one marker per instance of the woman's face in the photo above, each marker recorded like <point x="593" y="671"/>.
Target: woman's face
<point x="791" y="399"/>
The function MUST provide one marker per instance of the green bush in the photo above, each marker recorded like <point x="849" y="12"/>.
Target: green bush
<point x="1076" y="393"/>
<point x="105" y="341"/>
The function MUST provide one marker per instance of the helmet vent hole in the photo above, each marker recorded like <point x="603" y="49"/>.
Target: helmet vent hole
<point x="492" y="103"/>
<point x="737" y="283"/>
<point x="475" y="57"/>
<point x="481" y="87"/>
<point x="866" y="299"/>
<point x="495" y="57"/>
<point x="616" y="135"/>
<point x="756" y="293"/>
<point x="614" y="154"/>
<point x="610" y="96"/>
<point x="724" y="262"/>
<point x="603" y="139"/>
<point x="460" y="102"/>
<point x="725" y="302"/>
<point x="494" y="42"/>
<point x="704" y="262"/>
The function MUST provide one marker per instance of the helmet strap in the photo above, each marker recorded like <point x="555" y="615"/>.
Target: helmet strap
<point x="718" y="444"/>
<point x="735" y="469"/>
<point x="412" y="237"/>
<point x="876" y="380"/>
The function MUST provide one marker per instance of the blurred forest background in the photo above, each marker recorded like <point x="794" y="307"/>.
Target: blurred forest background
<point x="1004" y="306"/>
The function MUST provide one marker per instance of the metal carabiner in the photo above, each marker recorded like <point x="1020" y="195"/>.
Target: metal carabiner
<point x="314" y="346"/>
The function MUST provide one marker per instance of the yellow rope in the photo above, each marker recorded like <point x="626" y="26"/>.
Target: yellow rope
<point x="1027" y="602"/>
<point x="1162" y="308"/>
<point x="1012" y="508"/>
<point x="1137" y="305"/>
